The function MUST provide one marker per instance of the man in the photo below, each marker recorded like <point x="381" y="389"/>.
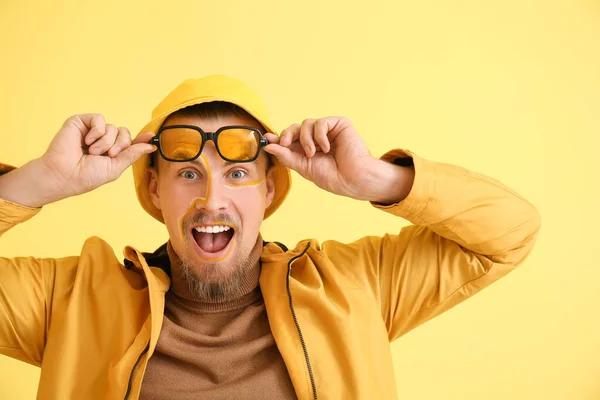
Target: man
<point x="216" y="312"/>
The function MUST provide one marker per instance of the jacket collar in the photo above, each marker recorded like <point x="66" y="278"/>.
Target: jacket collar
<point x="159" y="258"/>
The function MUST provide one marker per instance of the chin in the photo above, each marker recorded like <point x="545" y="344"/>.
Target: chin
<point x="212" y="272"/>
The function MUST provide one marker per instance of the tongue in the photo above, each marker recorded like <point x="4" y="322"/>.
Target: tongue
<point x="212" y="242"/>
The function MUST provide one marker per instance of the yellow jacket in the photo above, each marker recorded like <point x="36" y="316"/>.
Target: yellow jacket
<point x="91" y="323"/>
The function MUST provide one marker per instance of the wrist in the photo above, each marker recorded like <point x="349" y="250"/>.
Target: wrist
<point x="387" y="183"/>
<point x="30" y="185"/>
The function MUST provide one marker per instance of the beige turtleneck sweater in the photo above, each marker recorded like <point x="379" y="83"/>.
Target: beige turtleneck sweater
<point x="220" y="350"/>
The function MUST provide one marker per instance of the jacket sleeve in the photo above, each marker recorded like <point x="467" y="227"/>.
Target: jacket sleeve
<point x="468" y="231"/>
<point x="26" y="287"/>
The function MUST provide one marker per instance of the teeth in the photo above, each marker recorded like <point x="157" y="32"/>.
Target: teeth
<point x="212" y="228"/>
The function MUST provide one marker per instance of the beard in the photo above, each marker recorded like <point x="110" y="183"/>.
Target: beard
<point x="211" y="287"/>
<point x="209" y="283"/>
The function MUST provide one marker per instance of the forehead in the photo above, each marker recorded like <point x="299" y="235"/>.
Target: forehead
<point x="210" y="124"/>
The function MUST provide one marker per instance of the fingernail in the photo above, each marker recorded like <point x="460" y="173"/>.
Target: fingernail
<point x="116" y="150"/>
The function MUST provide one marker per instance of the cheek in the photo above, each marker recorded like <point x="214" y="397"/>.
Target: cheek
<point x="250" y="201"/>
<point x="175" y="204"/>
<point x="252" y="191"/>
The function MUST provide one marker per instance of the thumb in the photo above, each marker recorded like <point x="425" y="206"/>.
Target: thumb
<point x="131" y="154"/>
<point x="285" y="156"/>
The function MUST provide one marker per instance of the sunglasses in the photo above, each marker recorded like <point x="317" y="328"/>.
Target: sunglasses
<point x="184" y="143"/>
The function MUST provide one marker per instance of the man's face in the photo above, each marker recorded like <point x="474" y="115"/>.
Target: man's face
<point x="213" y="209"/>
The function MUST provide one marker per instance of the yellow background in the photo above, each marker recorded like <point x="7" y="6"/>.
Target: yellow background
<point x="507" y="88"/>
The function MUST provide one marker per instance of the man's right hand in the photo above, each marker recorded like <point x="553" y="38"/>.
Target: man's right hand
<point x="85" y="154"/>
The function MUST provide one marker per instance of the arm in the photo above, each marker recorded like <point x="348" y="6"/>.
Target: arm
<point x="469" y="231"/>
<point x="68" y="168"/>
<point x="26" y="285"/>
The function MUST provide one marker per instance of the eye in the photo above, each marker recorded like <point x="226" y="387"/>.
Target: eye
<point x="237" y="174"/>
<point x="189" y="175"/>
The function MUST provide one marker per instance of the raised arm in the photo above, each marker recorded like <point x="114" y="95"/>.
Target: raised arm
<point x="469" y="230"/>
<point x="85" y="154"/>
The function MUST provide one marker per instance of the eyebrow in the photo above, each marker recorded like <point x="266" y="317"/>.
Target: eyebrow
<point x="227" y="164"/>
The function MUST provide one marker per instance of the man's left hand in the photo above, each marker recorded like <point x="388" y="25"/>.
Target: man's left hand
<point x="330" y="153"/>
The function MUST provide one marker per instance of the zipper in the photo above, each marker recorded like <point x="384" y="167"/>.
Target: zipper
<point x="128" y="392"/>
<point x="308" y="365"/>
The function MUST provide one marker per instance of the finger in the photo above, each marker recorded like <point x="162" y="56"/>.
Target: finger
<point x="306" y="137"/>
<point x="321" y="129"/>
<point x="143" y="137"/>
<point x="96" y="126"/>
<point x="286" y="156"/>
<point x="131" y="154"/>
<point x="106" y="141"/>
<point x="272" y="138"/>
<point x="289" y="135"/>
<point x="122" y="142"/>
<point x="337" y="126"/>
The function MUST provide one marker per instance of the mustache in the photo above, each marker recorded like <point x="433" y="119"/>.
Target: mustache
<point x="207" y="219"/>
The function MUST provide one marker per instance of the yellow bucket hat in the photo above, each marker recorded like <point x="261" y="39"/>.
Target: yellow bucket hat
<point x="204" y="90"/>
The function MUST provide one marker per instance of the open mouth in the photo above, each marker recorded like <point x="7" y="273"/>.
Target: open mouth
<point x="213" y="241"/>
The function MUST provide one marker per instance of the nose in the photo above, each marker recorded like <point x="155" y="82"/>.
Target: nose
<point x="215" y="199"/>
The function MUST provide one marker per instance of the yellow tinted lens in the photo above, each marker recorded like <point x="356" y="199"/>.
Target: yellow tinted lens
<point x="238" y="144"/>
<point x="180" y="143"/>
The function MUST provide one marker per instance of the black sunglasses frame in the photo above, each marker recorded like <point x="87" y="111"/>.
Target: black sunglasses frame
<point x="214" y="136"/>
